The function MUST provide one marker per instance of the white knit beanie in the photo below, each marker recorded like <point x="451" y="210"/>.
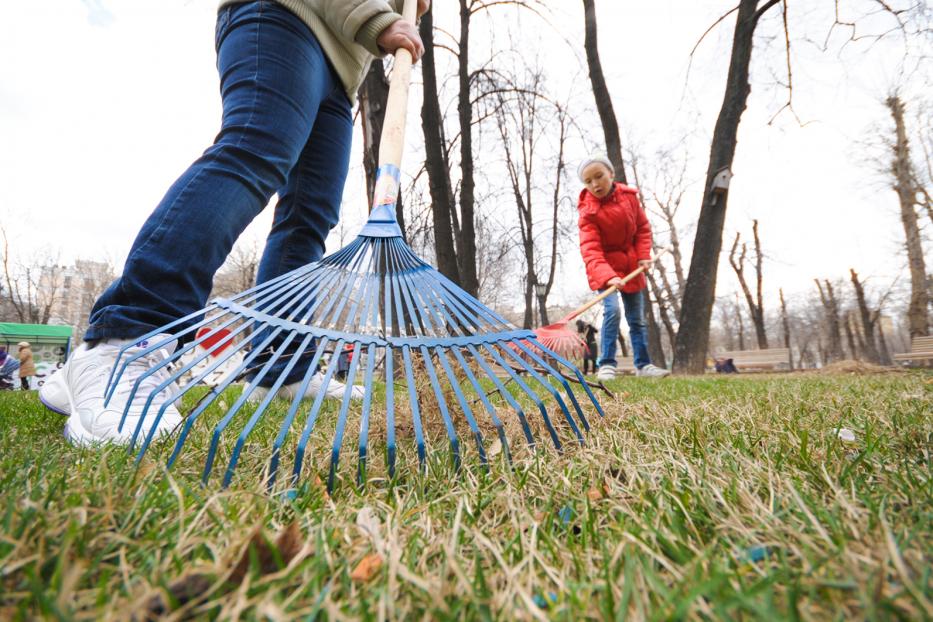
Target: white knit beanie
<point x="594" y="159"/>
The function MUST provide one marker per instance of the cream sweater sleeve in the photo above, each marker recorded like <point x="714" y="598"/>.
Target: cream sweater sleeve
<point x="361" y="21"/>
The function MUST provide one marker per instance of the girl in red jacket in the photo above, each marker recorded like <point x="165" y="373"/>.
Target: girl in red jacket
<point x="615" y="239"/>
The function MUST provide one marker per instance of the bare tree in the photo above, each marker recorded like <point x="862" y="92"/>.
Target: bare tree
<point x="904" y="183"/>
<point x="436" y="160"/>
<point x="700" y="289"/>
<point x="30" y="298"/>
<point x="738" y="318"/>
<point x="867" y="319"/>
<point x="522" y="116"/>
<point x="831" y="312"/>
<point x="785" y="324"/>
<point x="755" y="305"/>
<point x="238" y="273"/>
<point x="607" y="115"/>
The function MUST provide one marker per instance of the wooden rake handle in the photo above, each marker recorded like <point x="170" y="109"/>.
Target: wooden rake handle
<point x="392" y="141"/>
<point x="612" y="289"/>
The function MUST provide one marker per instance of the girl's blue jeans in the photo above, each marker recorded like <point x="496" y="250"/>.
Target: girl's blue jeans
<point x="634" y="305"/>
<point x="286" y="129"/>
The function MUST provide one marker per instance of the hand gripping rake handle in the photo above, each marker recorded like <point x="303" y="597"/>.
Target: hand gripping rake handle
<point x="392" y="140"/>
<point x="611" y="290"/>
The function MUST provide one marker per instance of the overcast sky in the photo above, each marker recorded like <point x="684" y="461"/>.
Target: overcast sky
<point x="103" y="103"/>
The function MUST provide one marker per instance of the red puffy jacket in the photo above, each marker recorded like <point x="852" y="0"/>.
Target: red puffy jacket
<point x="614" y="236"/>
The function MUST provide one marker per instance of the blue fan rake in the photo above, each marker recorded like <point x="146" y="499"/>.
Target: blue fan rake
<point x="402" y="319"/>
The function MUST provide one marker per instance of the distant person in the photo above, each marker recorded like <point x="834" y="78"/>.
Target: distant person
<point x="725" y="366"/>
<point x="289" y="73"/>
<point x="27" y="366"/>
<point x="615" y="239"/>
<point x="591" y="353"/>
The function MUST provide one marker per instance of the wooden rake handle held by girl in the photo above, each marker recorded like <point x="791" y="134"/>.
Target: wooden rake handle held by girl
<point x="613" y="288"/>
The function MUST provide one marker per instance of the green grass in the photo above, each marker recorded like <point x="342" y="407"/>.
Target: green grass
<point x="718" y="498"/>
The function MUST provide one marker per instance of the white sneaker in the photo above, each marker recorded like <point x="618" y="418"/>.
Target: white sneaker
<point x="651" y="371"/>
<point x="606" y="372"/>
<point x="77" y="391"/>
<point x="335" y="390"/>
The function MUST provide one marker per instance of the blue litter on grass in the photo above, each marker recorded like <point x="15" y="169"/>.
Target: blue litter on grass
<point x="545" y="602"/>
<point x="566" y="514"/>
<point x="291" y="494"/>
<point x="757" y="553"/>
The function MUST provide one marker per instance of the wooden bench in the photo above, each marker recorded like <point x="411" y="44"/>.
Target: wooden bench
<point x="921" y="348"/>
<point x="759" y="360"/>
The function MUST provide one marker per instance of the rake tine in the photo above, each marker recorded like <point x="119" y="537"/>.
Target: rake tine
<point x="204" y="321"/>
<point x="547" y="386"/>
<point x="172" y="378"/>
<point x="506" y="395"/>
<point x="342" y="418"/>
<point x="293" y="410"/>
<point x="390" y="413"/>
<point x="295" y="295"/>
<point x="367" y="399"/>
<point x="174" y="397"/>
<point x="111" y="381"/>
<point x="576" y="372"/>
<point x="442" y="404"/>
<point x="465" y="317"/>
<point x="312" y="415"/>
<point x="217" y="391"/>
<point x="260" y="410"/>
<point x="225" y="421"/>
<point x="413" y="400"/>
<point x="540" y="360"/>
<point x="482" y="396"/>
<point x="531" y="394"/>
<point x="464" y="405"/>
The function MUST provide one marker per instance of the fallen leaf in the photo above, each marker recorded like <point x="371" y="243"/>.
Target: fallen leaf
<point x="594" y="494"/>
<point x="196" y="586"/>
<point x="192" y="587"/>
<point x="367" y="568"/>
<point x="495" y="449"/>
<point x="285" y="547"/>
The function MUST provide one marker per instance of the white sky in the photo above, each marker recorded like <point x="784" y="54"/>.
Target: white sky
<point x="103" y="103"/>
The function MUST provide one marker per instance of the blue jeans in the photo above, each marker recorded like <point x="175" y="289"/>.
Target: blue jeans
<point x="638" y="330"/>
<point x="286" y="129"/>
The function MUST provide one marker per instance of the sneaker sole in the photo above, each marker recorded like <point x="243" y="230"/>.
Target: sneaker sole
<point x="51" y="389"/>
<point x="53" y="408"/>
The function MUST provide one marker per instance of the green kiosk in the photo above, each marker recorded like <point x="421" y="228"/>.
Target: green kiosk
<point x="50" y="345"/>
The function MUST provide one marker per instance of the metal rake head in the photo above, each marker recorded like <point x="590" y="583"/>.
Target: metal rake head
<point x="405" y="323"/>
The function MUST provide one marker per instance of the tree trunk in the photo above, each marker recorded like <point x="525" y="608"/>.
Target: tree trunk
<point x="868" y="325"/>
<point x="850" y="338"/>
<point x="785" y="323"/>
<point x="655" y="349"/>
<point x="906" y="189"/>
<point x="738" y="317"/>
<point x="699" y="293"/>
<point x="607" y="115"/>
<point x="466" y="234"/>
<point x="432" y="125"/>
<point x="885" y="352"/>
<point x="834" y="351"/>
<point x="755" y="309"/>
